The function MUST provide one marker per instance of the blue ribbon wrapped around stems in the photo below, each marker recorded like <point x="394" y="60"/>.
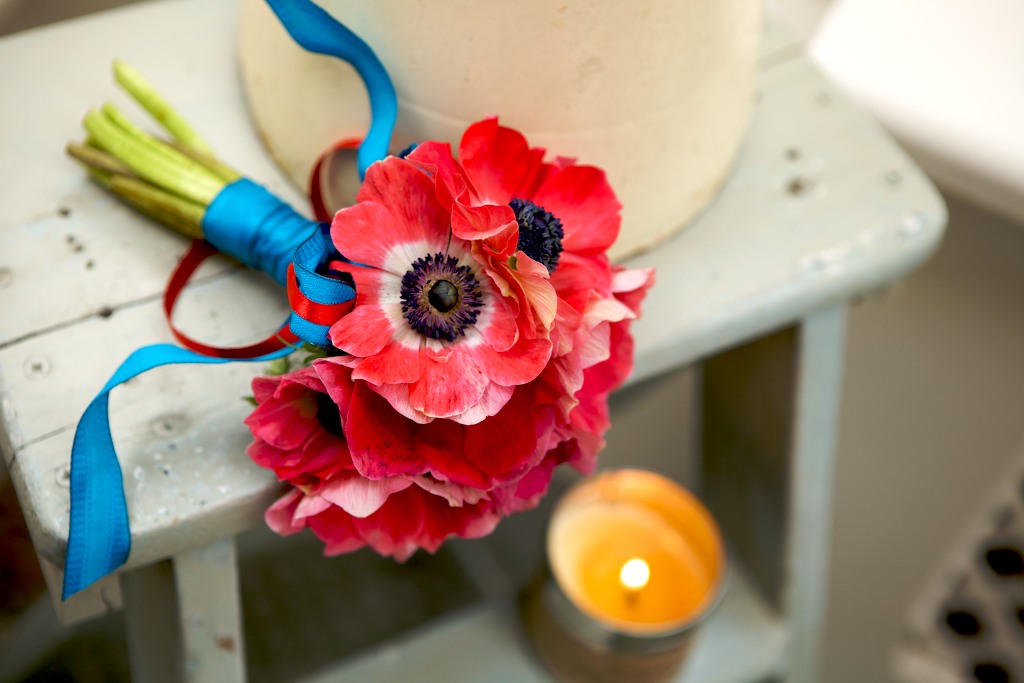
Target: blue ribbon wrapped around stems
<point x="253" y="225"/>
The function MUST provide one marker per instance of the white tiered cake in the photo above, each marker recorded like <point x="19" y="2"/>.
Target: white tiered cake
<point x="656" y="92"/>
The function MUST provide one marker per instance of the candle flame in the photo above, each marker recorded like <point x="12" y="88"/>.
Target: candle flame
<point x="635" y="574"/>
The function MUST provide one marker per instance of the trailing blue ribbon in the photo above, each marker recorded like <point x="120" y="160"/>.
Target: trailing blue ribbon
<point x="249" y="223"/>
<point x="317" y="31"/>
<point x="99" y="540"/>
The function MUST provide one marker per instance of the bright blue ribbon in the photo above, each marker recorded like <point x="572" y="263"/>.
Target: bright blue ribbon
<point x="317" y="31"/>
<point x="261" y="231"/>
<point x="249" y="223"/>
<point x="310" y="256"/>
<point x="99" y="539"/>
<point x="257" y="228"/>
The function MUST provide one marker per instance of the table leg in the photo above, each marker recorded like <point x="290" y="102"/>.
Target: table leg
<point x="183" y="618"/>
<point x="769" y="432"/>
<point x="815" y="423"/>
<point x="210" y="608"/>
<point x="151" y="623"/>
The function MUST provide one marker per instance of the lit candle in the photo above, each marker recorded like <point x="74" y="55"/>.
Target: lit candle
<point x="633" y="576"/>
<point x="636" y="561"/>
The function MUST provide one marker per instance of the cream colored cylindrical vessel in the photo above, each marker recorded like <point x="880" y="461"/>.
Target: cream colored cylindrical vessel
<point x="656" y="92"/>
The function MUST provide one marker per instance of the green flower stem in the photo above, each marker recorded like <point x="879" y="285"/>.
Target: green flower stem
<point x="153" y="144"/>
<point x="150" y="164"/>
<point x="143" y="93"/>
<point x="97" y="159"/>
<point x="144" y="193"/>
<point x="212" y="163"/>
<point x="178" y="214"/>
<point x="187" y="228"/>
<point x="166" y="151"/>
<point x="172" y="181"/>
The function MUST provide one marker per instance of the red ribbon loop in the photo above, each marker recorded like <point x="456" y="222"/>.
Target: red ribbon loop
<point x="196" y="254"/>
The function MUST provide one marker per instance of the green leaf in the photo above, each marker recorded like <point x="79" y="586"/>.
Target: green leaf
<point x="278" y="366"/>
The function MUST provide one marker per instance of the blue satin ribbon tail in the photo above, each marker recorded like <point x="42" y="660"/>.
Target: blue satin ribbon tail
<point x="317" y="31"/>
<point x="99" y="540"/>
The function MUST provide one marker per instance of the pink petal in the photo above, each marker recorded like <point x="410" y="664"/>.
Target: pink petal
<point x="310" y="506"/>
<point x="381" y="441"/>
<point x="494" y="399"/>
<point x="630" y="286"/>
<point x="373" y="286"/>
<point x="406" y="222"/>
<point x="596" y="346"/>
<point x="519" y="365"/>
<point x="610" y="374"/>
<point x="279" y="516"/>
<point x="441" y="443"/>
<point x="497" y="322"/>
<point x="448" y="388"/>
<point x="409" y="193"/>
<point x="395" y="363"/>
<point x="582" y="199"/>
<point x="483" y="222"/>
<point x="498" y="161"/>
<point x="337" y="381"/>
<point x="342" y="545"/>
<point x="397" y="395"/>
<point x="334" y="527"/>
<point x="450" y="183"/>
<point x="457" y="495"/>
<point x="285" y="424"/>
<point x="578" y="278"/>
<point x="540" y="294"/>
<point x="362" y="497"/>
<point x="364" y="331"/>
<point x="264" y="387"/>
<point x="506" y="442"/>
<point x="323" y="456"/>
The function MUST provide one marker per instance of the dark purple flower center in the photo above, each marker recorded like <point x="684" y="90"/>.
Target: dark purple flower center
<point x="540" y="233"/>
<point x="440" y="298"/>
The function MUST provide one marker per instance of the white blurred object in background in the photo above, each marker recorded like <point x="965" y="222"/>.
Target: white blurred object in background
<point x="947" y="78"/>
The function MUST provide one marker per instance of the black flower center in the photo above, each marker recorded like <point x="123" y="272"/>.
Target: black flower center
<point x="443" y="296"/>
<point x="440" y="298"/>
<point x="327" y="414"/>
<point x="540" y="233"/>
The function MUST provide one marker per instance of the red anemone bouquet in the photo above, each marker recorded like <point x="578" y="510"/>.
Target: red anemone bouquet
<point x="489" y="329"/>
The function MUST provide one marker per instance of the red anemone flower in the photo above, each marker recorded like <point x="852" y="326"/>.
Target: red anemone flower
<point x="431" y="331"/>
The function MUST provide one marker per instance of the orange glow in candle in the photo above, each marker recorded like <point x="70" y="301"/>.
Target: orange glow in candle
<point x="636" y="551"/>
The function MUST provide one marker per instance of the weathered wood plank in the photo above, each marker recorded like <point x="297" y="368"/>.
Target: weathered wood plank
<point x="819" y="208"/>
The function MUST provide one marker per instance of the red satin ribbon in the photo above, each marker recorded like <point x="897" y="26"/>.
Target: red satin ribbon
<point x="197" y="253"/>
<point x="321" y="314"/>
<point x="316" y="194"/>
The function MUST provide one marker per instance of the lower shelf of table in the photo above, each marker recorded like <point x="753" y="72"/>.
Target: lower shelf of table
<point x="743" y="642"/>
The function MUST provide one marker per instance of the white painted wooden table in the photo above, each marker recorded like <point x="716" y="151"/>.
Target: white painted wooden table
<point x="820" y="209"/>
